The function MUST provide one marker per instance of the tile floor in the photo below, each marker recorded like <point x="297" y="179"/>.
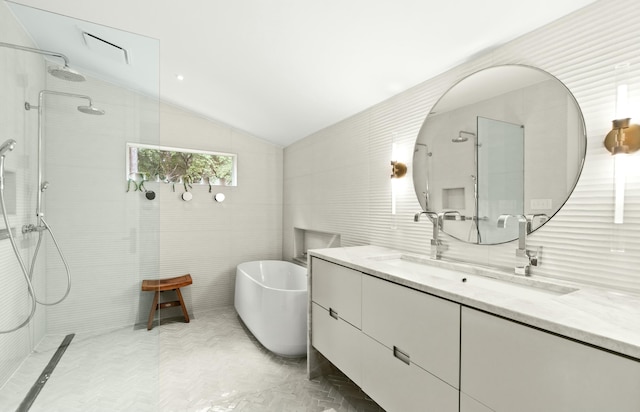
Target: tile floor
<point x="212" y="364"/>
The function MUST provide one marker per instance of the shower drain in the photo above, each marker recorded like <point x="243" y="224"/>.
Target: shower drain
<point x="45" y="375"/>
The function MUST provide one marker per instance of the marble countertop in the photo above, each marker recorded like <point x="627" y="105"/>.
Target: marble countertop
<point x="605" y="318"/>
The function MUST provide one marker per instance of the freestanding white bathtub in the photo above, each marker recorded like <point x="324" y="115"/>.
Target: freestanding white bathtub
<point x="271" y="299"/>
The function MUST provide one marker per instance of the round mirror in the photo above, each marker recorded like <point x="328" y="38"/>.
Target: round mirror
<point x="507" y="140"/>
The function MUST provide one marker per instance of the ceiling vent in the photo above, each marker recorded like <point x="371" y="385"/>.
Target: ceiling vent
<point x="105" y="48"/>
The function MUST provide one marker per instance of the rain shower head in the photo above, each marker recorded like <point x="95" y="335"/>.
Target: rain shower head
<point x="462" y="138"/>
<point x="66" y="73"/>
<point x="90" y="110"/>
<point x="7" y="146"/>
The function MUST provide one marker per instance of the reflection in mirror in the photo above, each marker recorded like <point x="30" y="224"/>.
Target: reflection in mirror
<point x="505" y="140"/>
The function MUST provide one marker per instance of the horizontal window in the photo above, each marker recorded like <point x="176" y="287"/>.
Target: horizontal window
<point x="176" y="165"/>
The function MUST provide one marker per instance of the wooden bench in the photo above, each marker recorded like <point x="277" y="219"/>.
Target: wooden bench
<point x="163" y="285"/>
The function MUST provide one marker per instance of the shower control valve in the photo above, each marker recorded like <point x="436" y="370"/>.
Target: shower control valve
<point x="29" y="228"/>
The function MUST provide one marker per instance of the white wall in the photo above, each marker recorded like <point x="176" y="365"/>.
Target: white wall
<point x="22" y="74"/>
<point x="209" y="239"/>
<point x="114" y="239"/>
<point x="337" y="180"/>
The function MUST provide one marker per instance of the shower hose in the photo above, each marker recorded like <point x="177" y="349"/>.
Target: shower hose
<point x="28" y="274"/>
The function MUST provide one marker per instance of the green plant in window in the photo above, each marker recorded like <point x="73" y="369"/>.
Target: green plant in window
<point x="173" y="166"/>
<point x="220" y="168"/>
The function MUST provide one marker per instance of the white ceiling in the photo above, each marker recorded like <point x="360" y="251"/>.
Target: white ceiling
<point x="283" y="69"/>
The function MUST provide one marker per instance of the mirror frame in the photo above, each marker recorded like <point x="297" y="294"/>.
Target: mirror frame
<point x="581" y="135"/>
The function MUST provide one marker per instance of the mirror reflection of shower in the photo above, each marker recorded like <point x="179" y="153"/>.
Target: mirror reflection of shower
<point x="462" y="137"/>
<point x="418" y="147"/>
<point x="42" y="224"/>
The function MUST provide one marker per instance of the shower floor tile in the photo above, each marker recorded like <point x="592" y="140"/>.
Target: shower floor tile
<point x="212" y="364"/>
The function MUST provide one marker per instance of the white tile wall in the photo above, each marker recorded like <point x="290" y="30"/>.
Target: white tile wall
<point x="208" y="239"/>
<point x="336" y="180"/>
<point x="114" y="239"/>
<point x="22" y="73"/>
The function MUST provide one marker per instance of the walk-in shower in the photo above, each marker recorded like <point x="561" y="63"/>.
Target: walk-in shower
<point x="41" y="225"/>
<point x="65" y="73"/>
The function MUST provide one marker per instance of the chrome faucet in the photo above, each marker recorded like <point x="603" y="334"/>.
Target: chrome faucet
<point x="525" y="258"/>
<point x="436" y="244"/>
<point x="437" y="220"/>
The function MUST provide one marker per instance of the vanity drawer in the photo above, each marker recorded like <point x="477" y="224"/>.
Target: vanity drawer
<point x="423" y="326"/>
<point x="338" y="341"/>
<point x="509" y="367"/>
<point x="337" y="288"/>
<point x="400" y="387"/>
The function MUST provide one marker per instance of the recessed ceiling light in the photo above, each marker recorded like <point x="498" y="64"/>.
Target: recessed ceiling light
<point x="179" y="77"/>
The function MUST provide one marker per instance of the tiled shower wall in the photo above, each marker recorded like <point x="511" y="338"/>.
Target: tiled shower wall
<point x="22" y="75"/>
<point x="115" y="239"/>
<point x="337" y="180"/>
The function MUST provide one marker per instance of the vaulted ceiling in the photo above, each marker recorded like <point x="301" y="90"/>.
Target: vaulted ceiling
<point x="283" y="69"/>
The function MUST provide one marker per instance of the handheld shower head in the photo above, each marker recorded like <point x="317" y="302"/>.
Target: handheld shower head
<point x="7" y="146"/>
<point x="90" y="110"/>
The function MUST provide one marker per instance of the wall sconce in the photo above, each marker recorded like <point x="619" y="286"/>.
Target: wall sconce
<point x="624" y="137"/>
<point x="622" y="140"/>
<point x="398" y="169"/>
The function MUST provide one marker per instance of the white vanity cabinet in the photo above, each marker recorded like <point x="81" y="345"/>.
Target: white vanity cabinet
<point x="338" y="289"/>
<point x="400" y="387"/>
<point x="511" y="367"/>
<point x="421" y="328"/>
<point x="336" y="316"/>
<point x="399" y="345"/>
<point x="411" y="348"/>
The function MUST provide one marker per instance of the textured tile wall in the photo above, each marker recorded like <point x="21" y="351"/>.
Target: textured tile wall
<point x="337" y="180"/>
<point x="209" y="239"/>
<point x="22" y="75"/>
<point x="114" y="239"/>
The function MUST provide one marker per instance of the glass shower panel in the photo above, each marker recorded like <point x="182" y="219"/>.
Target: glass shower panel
<point x="500" y="177"/>
<point x="109" y="237"/>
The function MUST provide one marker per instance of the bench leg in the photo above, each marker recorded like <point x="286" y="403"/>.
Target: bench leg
<point x="182" y="305"/>
<point x="154" y="305"/>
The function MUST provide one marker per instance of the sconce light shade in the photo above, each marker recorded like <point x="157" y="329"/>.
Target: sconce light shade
<point x="398" y="169"/>
<point x="624" y="138"/>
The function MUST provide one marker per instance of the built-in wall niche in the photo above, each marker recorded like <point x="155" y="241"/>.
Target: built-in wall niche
<point x="10" y="192"/>
<point x="305" y="239"/>
<point x="453" y="198"/>
<point x="178" y="165"/>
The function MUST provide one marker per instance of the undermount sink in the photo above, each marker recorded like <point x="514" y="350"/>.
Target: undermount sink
<point x="511" y="285"/>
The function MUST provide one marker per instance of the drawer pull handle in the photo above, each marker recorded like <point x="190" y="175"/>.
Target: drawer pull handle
<point x="404" y="357"/>
<point x="333" y="313"/>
